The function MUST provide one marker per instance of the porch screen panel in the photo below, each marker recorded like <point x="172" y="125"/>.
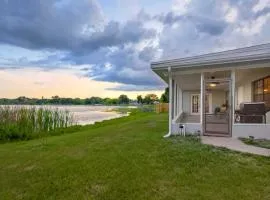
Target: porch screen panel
<point x="206" y="107"/>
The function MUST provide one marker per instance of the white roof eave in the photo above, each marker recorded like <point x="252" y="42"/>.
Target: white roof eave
<point x="213" y="63"/>
<point x="253" y="54"/>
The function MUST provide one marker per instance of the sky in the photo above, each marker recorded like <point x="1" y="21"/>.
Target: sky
<point x="104" y="48"/>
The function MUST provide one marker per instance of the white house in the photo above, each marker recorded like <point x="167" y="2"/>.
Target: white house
<point x="220" y="94"/>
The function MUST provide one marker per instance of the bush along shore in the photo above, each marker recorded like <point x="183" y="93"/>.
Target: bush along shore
<point x="23" y="123"/>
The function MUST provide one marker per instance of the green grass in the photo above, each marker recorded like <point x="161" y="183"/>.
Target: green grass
<point x="257" y="142"/>
<point x="127" y="158"/>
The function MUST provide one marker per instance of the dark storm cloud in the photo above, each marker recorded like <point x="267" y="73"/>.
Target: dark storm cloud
<point x="63" y="25"/>
<point x="263" y="12"/>
<point x="54" y="24"/>
<point x="114" y="35"/>
<point x="139" y="78"/>
<point x="147" y="54"/>
<point x="123" y="66"/>
<point x="211" y="27"/>
<point x="202" y="24"/>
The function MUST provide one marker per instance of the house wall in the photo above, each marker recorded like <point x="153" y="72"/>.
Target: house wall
<point x="190" y="128"/>
<point x="218" y="98"/>
<point x="256" y="130"/>
<point x="187" y="100"/>
<point x="243" y="93"/>
<point x="243" y="86"/>
<point x="177" y="101"/>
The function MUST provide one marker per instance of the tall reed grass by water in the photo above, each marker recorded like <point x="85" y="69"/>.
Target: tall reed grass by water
<point x="28" y="122"/>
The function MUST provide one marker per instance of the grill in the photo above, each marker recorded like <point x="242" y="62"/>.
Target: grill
<point x="252" y="112"/>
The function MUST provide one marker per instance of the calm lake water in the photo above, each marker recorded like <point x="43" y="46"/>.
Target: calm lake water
<point x="88" y="114"/>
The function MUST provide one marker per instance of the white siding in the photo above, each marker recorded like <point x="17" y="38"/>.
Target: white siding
<point x="244" y="79"/>
<point x="190" y="128"/>
<point x="187" y="100"/>
<point x="218" y="98"/>
<point x="255" y="130"/>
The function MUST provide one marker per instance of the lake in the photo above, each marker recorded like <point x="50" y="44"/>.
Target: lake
<point x="84" y="114"/>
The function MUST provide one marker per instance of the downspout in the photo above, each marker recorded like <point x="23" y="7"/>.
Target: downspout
<point x="170" y="103"/>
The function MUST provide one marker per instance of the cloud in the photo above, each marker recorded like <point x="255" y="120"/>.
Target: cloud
<point x="208" y="26"/>
<point x="77" y="34"/>
<point x="64" y="25"/>
<point x="261" y="5"/>
<point x="202" y="24"/>
<point x="38" y="83"/>
<point x="46" y="24"/>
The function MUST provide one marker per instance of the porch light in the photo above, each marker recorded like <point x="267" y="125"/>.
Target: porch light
<point x="212" y="84"/>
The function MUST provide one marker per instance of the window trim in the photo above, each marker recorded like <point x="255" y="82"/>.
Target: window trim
<point x="191" y="104"/>
<point x="263" y="92"/>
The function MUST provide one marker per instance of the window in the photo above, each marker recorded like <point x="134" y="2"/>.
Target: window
<point x="195" y="100"/>
<point x="261" y="90"/>
<point x="196" y="106"/>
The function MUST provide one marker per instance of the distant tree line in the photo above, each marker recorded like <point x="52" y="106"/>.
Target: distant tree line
<point x="153" y="98"/>
<point x="165" y="96"/>
<point x="56" y="100"/>
<point x="148" y="99"/>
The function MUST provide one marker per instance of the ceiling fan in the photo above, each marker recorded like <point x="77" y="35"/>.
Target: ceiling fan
<point x="213" y="83"/>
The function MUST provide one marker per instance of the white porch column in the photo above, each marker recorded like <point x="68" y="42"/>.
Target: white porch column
<point x="233" y="95"/>
<point x="201" y="98"/>
<point x="180" y="100"/>
<point x="175" y="102"/>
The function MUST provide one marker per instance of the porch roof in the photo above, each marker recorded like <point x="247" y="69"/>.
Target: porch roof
<point x="252" y="54"/>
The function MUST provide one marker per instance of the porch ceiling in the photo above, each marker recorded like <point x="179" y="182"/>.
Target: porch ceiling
<point x="193" y="81"/>
<point x="189" y="82"/>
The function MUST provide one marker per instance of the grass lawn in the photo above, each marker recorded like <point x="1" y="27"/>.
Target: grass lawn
<point x="127" y="158"/>
<point x="257" y="142"/>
